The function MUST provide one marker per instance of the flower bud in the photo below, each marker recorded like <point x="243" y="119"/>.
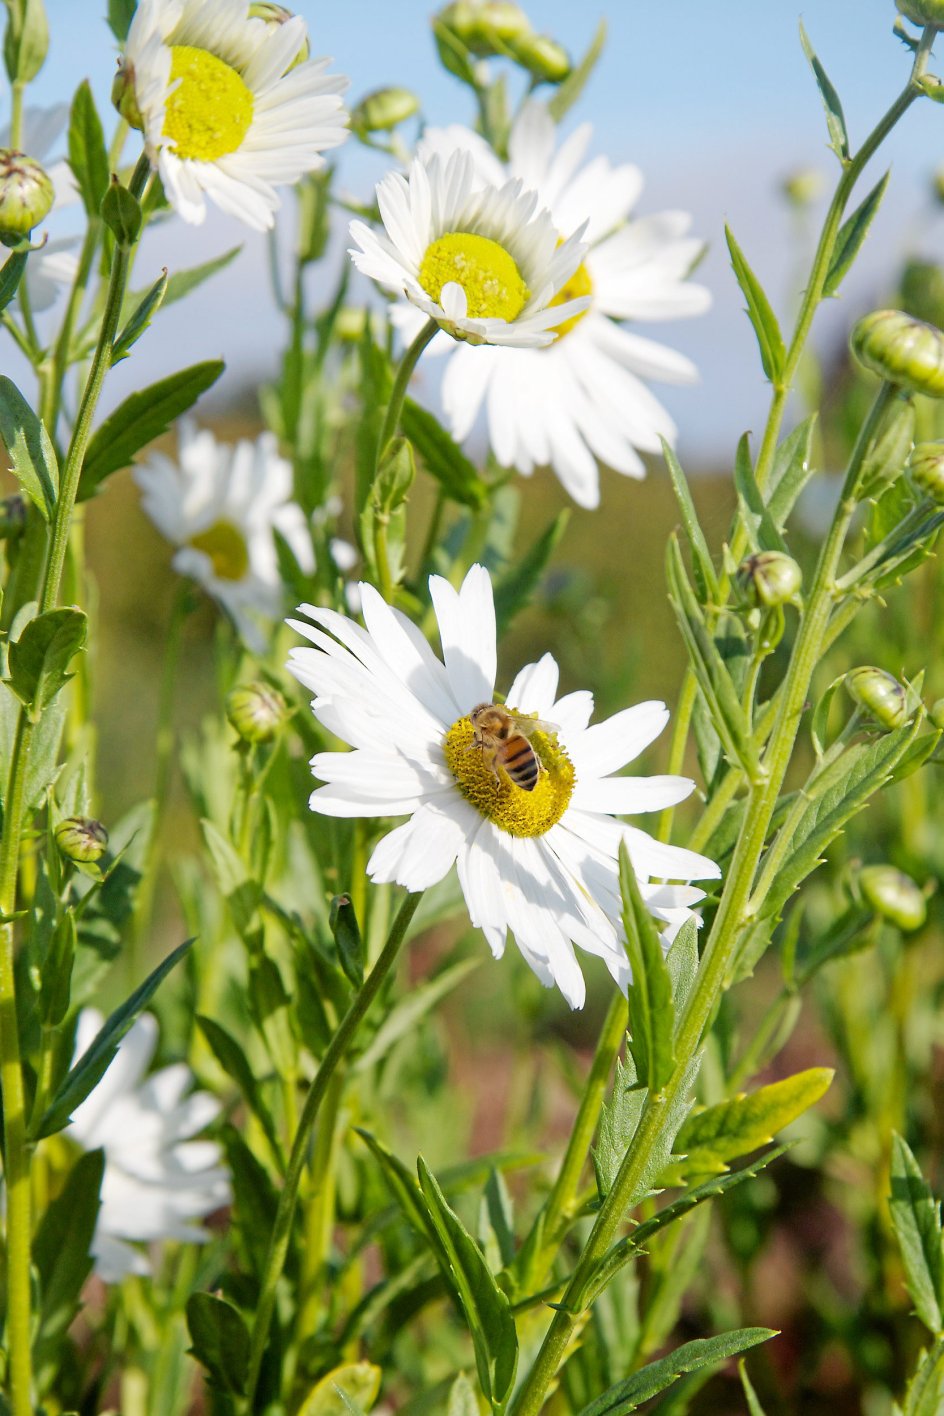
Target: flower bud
<point x="12" y="517"/>
<point x="543" y="58"/>
<point x="384" y="109"/>
<point x="923" y="12"/>
<point x="485" y="26"/>
<point x="123" y="95"/>
<point x="274" y="15"/>
<point x="926" y="466"/>
<point x="770" y="578"/>
<point x="879" y="694"/>
<point x="894" y="896"/>
<point x="256" y="710"/>
<point x="901" y="349"/>
<point x="802" y="187"/>
<point x="81" y="839"/>
<point x="26" y="193"/>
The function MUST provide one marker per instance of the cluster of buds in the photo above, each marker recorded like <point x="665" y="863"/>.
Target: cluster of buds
<point x="26" y="195"/>
<point x="894" y="896"/>
<point x="257" y="711"/>
<point x="902" y="350"/>
<point x="498" y="27"/>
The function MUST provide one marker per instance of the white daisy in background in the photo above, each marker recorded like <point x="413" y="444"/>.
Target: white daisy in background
<point x="541" y="862"/>
<point x="583" y="398"/>
<point x="229" y="105"/>
<point x="158" y="1181"/>
<point x="54" y="265"/>
<point x="220" y="506"/>
<point x="482" y="260"/>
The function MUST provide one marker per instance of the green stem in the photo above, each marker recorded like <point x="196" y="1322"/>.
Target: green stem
<point x="400" y="385"/>
<point x="16" y="1158"/>
<point x="16" y="114"/>
<point x="732" y="918"/>
<point x="337" y="1051"/>
<point x="680" y="730"/>
<point x="101" y="363"/>
<point x="53" y="383"/>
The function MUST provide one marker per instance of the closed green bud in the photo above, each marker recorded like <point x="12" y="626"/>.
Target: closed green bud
<point x="802" y="187"/>
<point x="26" y="42"/>
<point x="26" y="193"/>
<point x="894" y="896"/>
<point x="880" y="694"/>
<point x="81" y="839"/>
<point x="121" y="213"/>
<point x="936" y="714"/>
<point x="926" y="466"/>
<point x="770" y="578"/>
<point x="124" y="97"/>
<point x="277" y="15"/>
<point x="901" y="349"/>
<point x="384" y="109"/>
<point x="923" y="12"/>
<point x="545" y="59"/>
<point x="485" y="26"/>
<point x="257" y="711"/>
<point x="12" y="517"/>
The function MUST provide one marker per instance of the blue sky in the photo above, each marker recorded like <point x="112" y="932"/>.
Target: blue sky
<point x="714" y="102"/>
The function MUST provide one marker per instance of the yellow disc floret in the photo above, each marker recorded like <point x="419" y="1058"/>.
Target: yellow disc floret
<point x="210" y="109"/>
<point x="226" y="547"/>
<point x="579" y="284"/>
<point x="492" y="792"/>
<point x="492" y="282"/>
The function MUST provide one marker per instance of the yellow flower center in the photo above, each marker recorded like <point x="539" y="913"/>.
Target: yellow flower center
<point x="226" y="547"/>
<point x="492" y="792"/>
<point x="210" y="111"/>
<point x="580" y="283"/>
<point x="492" y="282"/>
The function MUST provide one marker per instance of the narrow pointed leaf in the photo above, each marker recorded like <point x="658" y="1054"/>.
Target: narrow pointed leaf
<point x="181" y="282"/>
<point x="750" y="1395"/>
<point x="88" y="1071"/>
<point x="442" y="456"/>
<point x="11" y="273"/>
<point x="925" y="1395"/>
<point x="757" y="520"/>
<point x="793" y="467"/>
<point x="705" y="579"/>
<point x="141" y="317"/>
<point x="835" y="120"/>
<point x="651" y="1010"/>
<point x="759" y="312"/>
<point x="570" y="90"/>
<point x="88" y="156"/>
<point x="851" y="236"/>
<point x="629" y="1394"/>
<point x="516" y="587"/>
<point x="916" y="1215"/>
<point x="710" y="1138"/>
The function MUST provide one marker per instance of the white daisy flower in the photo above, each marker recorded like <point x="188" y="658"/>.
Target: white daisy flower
<point x="540" y="861"/>
<point x="583" y="398"/>
<point x="484" y="261"/>
<point x="220" y="506"/>
<point x="55" y="264"/>
<point x="158" y="1181"/>
<point x="229" y="106"/>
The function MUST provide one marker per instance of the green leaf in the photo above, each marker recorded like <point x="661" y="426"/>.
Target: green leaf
<point x="462" y="1398"/>
<point x="140" y="419"/>
<point x="84" y="1076"/>
<point x="220" y="1341"/>
<point x="88" y="156"/>
<point x="710" y="670"/>
<point x="140" y="319"/>
<point x="11" y="273"/>
<point x="651" y="1011"/>
<point x="759" y="312"/>
<point x="851" y="236"/>
<point x="705" y="579"/>
<point x="792" y="469"/>
<point x="916" y="1215"/>
<point x="345" y="1391"/>
<point x="39" y="660"/>
<point x="618" y="1124"/>
<point x="758" y="523"/>
<point x="347" y="938"/>
<point x="710" y="1138"/>
<point x="231" y="1056"/>
<point x="31" y="451"/>
<point x="573" y="86"/>
<point x="835" y="121"/>
<point x="442" y="456"/>
<point x="120" y="15"/>
<point x="682" y="963"/>
<point x="61" y="1248"/>
<point x="402" y="1186"/>
<point x="753" y="1404"/>
<point x="183" y="281"/>
<point x="629" y="1394"/>
<point x="485" y="1306"/>
<point x="516" y="587"/>
<point x="925" y="1396"/>
<point x="839" y="793"/>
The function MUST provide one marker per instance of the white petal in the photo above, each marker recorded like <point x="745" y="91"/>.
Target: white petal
<point x="467" y="630"/>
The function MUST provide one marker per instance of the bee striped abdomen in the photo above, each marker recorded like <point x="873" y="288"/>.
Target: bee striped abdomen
<point x="519" y="760"/>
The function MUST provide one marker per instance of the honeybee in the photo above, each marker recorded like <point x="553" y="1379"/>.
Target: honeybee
<point x="503" y="737"/>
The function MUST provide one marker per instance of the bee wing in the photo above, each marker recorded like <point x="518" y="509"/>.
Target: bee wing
<point x="535" y="725"/>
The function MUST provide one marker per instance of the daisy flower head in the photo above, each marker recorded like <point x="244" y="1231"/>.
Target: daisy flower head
<point x="158" y="1180"/>
<point x="229" y="104"/>
<point x="585" y="398"/>
<point x="536" y="844"/>
<point x="482" y="260"/>
<point x="219" y="505"/>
